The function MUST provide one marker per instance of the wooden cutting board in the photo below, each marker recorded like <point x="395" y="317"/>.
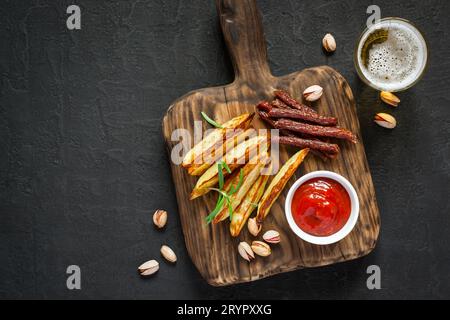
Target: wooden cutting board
<point x="212" y="249"/>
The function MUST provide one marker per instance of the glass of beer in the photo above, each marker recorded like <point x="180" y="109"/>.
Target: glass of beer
<point x="391" y="55"/>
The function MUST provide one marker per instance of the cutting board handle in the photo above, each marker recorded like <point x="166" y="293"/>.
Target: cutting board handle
<point x="244" y="35"/>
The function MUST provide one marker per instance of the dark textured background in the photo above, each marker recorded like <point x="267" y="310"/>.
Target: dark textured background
<point x="83" y="165"/>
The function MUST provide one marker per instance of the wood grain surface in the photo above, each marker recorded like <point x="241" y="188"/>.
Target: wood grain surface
<point x="212" y="249"/>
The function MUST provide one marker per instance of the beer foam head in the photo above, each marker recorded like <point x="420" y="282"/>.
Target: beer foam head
<point x="398" y="62"/>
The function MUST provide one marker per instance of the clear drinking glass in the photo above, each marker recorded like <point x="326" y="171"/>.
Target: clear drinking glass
<point x="391" y="55"/>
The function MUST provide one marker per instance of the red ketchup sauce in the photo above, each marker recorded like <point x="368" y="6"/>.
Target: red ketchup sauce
<point x="321" y="207"/>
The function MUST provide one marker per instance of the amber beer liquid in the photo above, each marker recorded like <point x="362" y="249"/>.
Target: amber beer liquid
<point x="391" y="55"/>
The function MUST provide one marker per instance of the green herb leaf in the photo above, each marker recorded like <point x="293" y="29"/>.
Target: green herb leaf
<point x="221" y="179"/>
<point x="223" y="193"/>
<point x="241" y="179"/>
<point x="235" y="189"/>
<point x="216" y="210"/>
<point x="224" y="164"/>
<point x="230" y="208"/>
<point x="211" y="121"/>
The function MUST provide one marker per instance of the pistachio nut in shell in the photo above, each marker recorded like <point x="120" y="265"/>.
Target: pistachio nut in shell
<point x="261" y="248"/>
<point x="246" y="251"/>
<point x="313" y="93"/>
<point x="272" y="236"/>
<point x="385" y="120"/>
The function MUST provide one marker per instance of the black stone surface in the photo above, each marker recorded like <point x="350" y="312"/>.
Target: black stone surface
<point x="83" y="165"/>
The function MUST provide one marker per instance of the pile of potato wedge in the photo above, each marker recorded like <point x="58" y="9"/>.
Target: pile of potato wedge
<point x="246" y="171"/>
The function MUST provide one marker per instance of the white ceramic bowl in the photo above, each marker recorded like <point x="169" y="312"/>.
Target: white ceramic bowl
<point x="349" y="225"/>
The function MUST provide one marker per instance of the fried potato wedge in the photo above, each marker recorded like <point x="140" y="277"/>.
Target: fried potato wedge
<point x="248" y="204"/>
<point x="251" y="172"/>
<point x="234" y="159"/>
<point x="205" y="160"/>
<point x="216" y="137"/>
<point x="278" y="183"/>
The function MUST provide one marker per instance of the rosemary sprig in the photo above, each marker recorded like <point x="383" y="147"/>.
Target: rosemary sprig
<point x="216" y="210"/>
<point x="224" y="197"/>
<point x="211" y="121"/>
